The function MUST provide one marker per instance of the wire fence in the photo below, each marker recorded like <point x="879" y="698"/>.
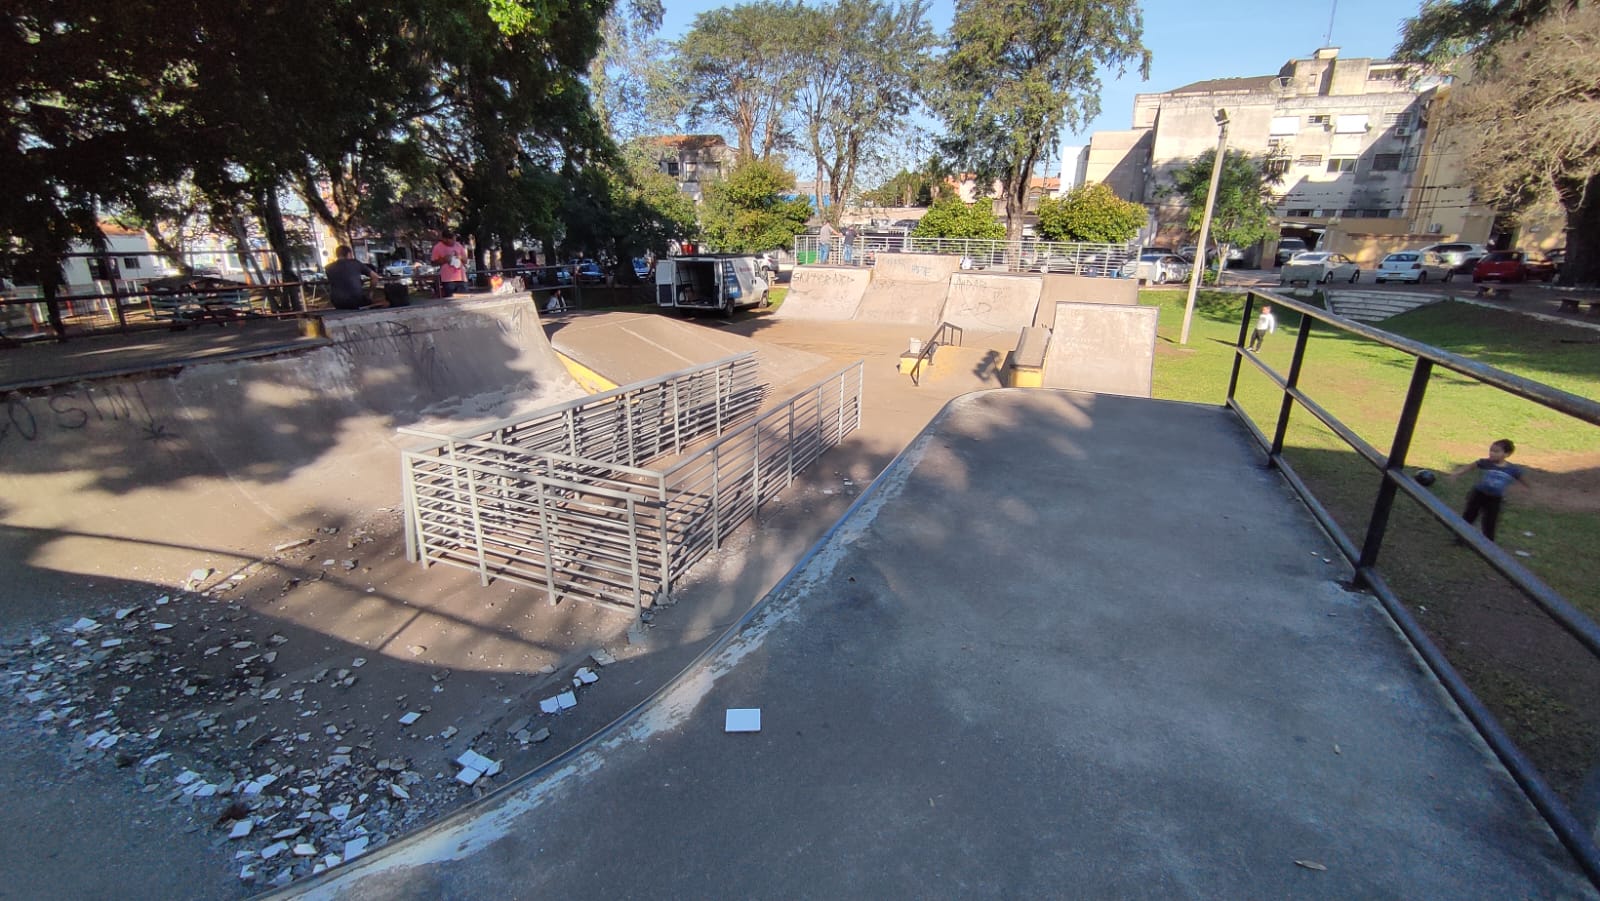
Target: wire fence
<point x="1071" y="258"/>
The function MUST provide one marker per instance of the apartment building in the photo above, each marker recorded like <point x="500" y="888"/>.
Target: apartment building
<point x="692" y="160"/>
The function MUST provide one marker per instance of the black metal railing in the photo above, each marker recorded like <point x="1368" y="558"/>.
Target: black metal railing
<point x="944" y="334"/>
<point x="1364" y="556"/>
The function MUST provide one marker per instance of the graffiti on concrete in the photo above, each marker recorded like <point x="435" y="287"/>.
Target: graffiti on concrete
<point x="368" y="342"/>
<point x="27" y="419"/>
<point x="810" y="278"/>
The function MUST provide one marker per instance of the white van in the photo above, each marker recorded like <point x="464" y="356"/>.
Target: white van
<point x="722" y="283"/>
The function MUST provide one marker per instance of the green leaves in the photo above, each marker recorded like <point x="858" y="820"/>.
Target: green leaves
<point x="751" y="211"/>
<point x="951" y="218"/>
<point x="1243" y="212"/>
<point x="1092" y="213"/>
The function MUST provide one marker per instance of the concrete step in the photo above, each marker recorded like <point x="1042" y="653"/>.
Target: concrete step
<point x="1376" y="306"/>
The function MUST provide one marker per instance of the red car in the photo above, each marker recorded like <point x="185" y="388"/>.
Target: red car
<point x="1514" y="266"/>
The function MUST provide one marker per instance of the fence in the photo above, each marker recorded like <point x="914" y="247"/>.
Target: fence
<point x="563" y="501"/>
<point x="1394" y="482"/>
<point x="1105" y="260"/>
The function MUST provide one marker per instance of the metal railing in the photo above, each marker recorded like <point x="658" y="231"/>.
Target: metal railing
<point x="510" y="502"/>
<point x="1101" y="260"/>
<point x="1395" y="480"/>
<point x="944" y="334"/>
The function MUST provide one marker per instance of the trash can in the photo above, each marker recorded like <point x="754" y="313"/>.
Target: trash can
<point x="396" y="294"/>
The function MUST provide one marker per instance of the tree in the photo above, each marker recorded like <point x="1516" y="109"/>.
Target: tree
<point x="953" y="218"/>
<point x="1092" y="213"/>
<point x="739" y="70"/>
<point x="753" y="209"/>
<point x="1016" y="72"/>
<point x="1242" y="214"/>
<point x="1528" y="120"/>
<point x="857" y="84"/>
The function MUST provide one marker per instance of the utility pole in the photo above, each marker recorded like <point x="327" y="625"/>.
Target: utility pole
<point x="1205" y="226"/>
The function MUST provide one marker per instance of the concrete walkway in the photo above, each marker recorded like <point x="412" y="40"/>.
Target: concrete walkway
<point x="1066" y="646"/>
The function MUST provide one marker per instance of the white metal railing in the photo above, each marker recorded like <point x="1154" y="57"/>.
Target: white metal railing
<point x="1027" y="255"/>
<point x="605" y="530"/>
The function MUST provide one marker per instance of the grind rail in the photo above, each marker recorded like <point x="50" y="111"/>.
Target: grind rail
<point x="1395" y="480"/>
<point x="565" y="499"/>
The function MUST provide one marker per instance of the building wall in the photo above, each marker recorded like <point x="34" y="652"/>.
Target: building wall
<point x="1119" y="159"/>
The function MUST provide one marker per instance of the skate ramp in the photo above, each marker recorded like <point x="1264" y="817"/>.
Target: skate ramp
<point x="1104" y="348"/>
<point x="824" y="292"/>
<point x="1133" y="680"/>
<point x="1060" y="288"/>
<point x="233" y="455"/>
<point x="992" y="302"/>
<point x="908" y="288"/>
<point x="632" y="347"/>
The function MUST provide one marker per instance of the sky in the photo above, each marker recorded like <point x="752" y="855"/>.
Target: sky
<point x="1191" y="41"/>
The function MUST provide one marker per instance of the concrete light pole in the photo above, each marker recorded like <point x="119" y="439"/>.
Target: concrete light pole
<point x="1205" y="226"/>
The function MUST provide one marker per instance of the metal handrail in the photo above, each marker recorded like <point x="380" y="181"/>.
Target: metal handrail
<point x="1364" y="557"/>
<point x="930" y="346"/>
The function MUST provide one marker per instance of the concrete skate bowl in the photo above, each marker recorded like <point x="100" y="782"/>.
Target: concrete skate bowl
<point x="992" y="302"/>
<point x="632" y="347"/>
<point x="146" y="469"/>
<point x="1060" y="288"/>
<point x="908" y="288"/>
<point x="824" y="292"/>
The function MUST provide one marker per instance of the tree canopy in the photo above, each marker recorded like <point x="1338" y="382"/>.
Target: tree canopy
<point x="1242" y="214"/>
<point x="753" y="209"/>
<point x="1092" y="213"/>
<point x="951" y="217"/>
<point x="1015" y="72"/>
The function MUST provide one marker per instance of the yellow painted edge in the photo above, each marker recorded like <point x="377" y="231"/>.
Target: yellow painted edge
<point x="1027" y="377"/>
<point x="589" y="380"/>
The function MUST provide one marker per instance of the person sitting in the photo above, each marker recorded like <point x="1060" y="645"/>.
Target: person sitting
<point x="344" y="280"/>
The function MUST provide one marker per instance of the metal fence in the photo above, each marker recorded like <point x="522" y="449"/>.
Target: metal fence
<point x="1395" y="483"/>
<point x="563" y="500"/>
<point x="1103" y="260"/>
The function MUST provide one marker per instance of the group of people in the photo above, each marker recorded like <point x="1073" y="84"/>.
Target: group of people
<point x="346" y="274"/>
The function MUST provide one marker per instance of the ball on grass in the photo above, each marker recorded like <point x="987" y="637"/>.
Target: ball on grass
<point x="1426" y="477"/>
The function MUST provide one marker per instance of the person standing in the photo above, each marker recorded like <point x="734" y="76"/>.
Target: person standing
<point x="850" y="245"/>
<point x="1495" y="475"/>
<point x="345" y="290"/>
<point x="1265" y="324"/>
<point x="450" y="256"/>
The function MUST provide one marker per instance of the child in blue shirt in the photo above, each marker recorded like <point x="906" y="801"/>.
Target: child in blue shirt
<point x="1495" y="475"/>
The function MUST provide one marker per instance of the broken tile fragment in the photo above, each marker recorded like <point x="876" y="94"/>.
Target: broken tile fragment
<point x="241" y="829"/>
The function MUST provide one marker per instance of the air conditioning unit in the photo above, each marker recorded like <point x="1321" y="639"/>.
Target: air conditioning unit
<point x="1436" y="228"/>
<point x="1402" y="131"/>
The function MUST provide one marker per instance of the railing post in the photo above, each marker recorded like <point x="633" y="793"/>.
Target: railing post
<point x="677" y="417"/>
<point x="839" y="438"/>
<point x="633" y="555"/>
<point x="1378" y="524"/>
<point x="572" y="432"/>
<point x="1301" y="338"/>
<point x="1244" y="330"/>
<point x="662" y="512"/>
<point x="477" y="527"/>
<point x="756" y="471"/>
<point x="716" y="498"/>
<point x="549" y="545"/>
<point x="408" y="474"/>
<point x="627" y="427"/>
<point x="790" y="480"/>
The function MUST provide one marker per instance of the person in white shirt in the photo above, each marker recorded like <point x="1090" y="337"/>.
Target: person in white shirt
<point x="1265" y="323"/>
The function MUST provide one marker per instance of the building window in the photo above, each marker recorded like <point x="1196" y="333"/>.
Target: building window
<point x="1353" y="213"/>
<point x="1309" y="159"/>
<point x="1317" y="120"/>
<point x="1350" y="125"/>
<point x="1275" y="166"/>
<point x="130" y="262"/>
<point x="1303" y="212"/>
<point x="1394" y="120"/>
<point x="1342" y="164"/>
<point x="1386" y="162"/>
<point x="670" y="167"/>
<point x="1285" y="125"/>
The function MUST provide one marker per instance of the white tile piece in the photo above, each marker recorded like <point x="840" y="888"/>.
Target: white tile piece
<point x="566" y="700"/>
<point x="160" y="627"/>
<point x="241" y="829"/>
<point x="355" y="848"/>
<point x="587" y="676"/>
<point x="549" y="705"/>
<point x="305" y="849"/>
<point x="84" y="624"/>
<point x="273" y="850"/>
<point x="468" y="776"/>
<point x="743" y="719"/>
<point x="340" y="812"/>
<point x="410" y="718"/>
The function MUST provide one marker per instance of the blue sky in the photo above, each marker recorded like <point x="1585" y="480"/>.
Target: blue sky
<point x="1191" y="41"/>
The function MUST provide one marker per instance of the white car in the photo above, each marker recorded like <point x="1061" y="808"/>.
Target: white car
<point x="1317" y="267"/>
<point x="1458" y="255"/>
<point x="1157" y="268"/>
<point x="1413" y="266"/>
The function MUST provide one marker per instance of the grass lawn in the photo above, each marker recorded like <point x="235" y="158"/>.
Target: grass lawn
<point x="1539" y="680"/>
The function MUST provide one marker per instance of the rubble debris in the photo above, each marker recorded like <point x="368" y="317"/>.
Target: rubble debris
<point x="410" y="718"/>
<point x="241" y="828"/>
<point x="584" y="676"/>
<point x="602" y="657"/>
<point x="742" y="719"/>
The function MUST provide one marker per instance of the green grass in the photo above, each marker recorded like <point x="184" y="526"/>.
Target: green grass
<point x="1529" y="671"/>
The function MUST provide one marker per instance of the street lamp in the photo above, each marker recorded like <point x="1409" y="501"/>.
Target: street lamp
<point x="1205" y="226"/>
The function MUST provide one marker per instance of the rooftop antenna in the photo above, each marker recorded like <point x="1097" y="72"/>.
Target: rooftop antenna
<point x="1327" y="39"/>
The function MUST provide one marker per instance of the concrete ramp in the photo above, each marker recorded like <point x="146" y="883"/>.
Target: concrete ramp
<point x="992" y="302"/>
<point x="1060" y="288"/>
<point x="632" y="347"/>
<point x="1201" y="710"/>
<point x="824" y="292"/>
<point x="908" y="288"/>
<point x="231" y="455"/>
<point x="1105" y="348"/>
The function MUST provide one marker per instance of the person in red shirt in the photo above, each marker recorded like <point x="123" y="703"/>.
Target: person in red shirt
<point x="451" y="258"/>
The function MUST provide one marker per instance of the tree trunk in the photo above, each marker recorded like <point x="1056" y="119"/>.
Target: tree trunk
<point x="1016" y="207"/>
<point x="271" y="215"/>
<point x="1581" y="200"/>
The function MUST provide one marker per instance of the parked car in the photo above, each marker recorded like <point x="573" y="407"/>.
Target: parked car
<point x="1460" y="255"/>
<point x="589" y="272"/>
<point x="1288" y="247"/>
<point x="641" y="268"/>
<point x="1157" y="268"/>
<point x="406" y="272"/>
<point x="312" y="276"/>
<point x="1319" y="267"/>
<point x="1190" y="252"/>
<point x="1558" y="257"/>
<point x="1514" y="266"/>
<point x="1413" y="266"/>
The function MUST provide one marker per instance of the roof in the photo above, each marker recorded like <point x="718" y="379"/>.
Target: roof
<point x="689" y="142"/>
<point x="1249" y="84"/>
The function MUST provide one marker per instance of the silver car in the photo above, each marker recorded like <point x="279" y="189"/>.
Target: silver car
<point x="1157" y="268"/>
<point x="1459" y="255"/>
<point x="1318" y="267"/>
<point x="1413" y="266"/>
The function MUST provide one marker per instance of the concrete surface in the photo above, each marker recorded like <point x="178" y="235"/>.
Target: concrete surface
<point x="992" y="302"/>
<point x="631" y="347"/>
<point x="1106" y="348"/>
<point x="1061" y="288"/>
<point x="908" y="288"/>
<point x="824" y="293"/>
<point x="1140" y="677"/>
